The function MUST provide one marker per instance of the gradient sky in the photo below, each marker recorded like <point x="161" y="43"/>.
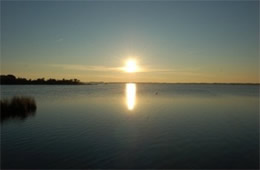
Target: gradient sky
<point x="173" y="41"/>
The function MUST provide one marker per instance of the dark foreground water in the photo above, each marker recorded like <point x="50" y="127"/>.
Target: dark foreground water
<point x="134" y="126"/>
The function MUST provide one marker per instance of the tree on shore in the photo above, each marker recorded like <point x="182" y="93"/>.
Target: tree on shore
<point x="11" y="79"/>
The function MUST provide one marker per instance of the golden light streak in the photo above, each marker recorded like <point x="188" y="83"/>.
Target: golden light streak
<point x="130" y="95"/>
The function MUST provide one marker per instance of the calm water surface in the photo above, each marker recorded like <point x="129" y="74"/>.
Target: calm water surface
<point x="134" y="126"/>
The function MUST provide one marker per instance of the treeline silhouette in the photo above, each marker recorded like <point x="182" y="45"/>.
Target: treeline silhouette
<point x="11" y="79"/>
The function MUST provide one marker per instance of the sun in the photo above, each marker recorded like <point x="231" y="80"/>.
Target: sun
<point x="131" y="66"/>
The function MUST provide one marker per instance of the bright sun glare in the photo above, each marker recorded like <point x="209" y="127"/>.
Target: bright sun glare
<point x="131" y="66"/>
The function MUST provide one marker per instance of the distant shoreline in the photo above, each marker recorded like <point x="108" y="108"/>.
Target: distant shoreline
<point x="182" y="83"/>
<point x="108" y="83"/>
<point x="12" y="80"/>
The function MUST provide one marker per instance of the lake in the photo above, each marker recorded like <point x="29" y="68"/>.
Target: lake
<point x="134" y="126"/>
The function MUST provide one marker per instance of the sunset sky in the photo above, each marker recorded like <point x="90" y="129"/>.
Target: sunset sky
<point x="171" y="41"/>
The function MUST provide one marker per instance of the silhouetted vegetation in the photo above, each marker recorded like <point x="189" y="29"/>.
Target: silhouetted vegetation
<point x="11" y="79"/>
<point x="17" y="107"/>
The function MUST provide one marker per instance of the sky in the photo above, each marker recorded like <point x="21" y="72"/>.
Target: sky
<point x="172" y="41"/>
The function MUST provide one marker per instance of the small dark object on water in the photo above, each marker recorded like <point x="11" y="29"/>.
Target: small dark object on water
<point x="156" y="93"/>
<point x="17" y="107"/>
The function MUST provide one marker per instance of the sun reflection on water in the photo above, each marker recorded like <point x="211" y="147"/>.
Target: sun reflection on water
<point x="130" y="95"/>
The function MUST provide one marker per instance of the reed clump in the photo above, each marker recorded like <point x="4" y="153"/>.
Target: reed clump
<point x="17" y="107"/>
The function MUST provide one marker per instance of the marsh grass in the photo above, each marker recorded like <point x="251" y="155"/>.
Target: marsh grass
<point x="17" y="107"/>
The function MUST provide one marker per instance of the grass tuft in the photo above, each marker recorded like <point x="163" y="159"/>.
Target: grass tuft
<point x="17" y="107"/>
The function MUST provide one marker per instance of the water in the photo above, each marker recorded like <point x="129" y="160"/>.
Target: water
<point x="134" y="126"/>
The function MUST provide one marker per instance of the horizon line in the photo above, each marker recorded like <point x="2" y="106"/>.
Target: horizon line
<point x="146" y="82"/>
<point x="118" y="82"/>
